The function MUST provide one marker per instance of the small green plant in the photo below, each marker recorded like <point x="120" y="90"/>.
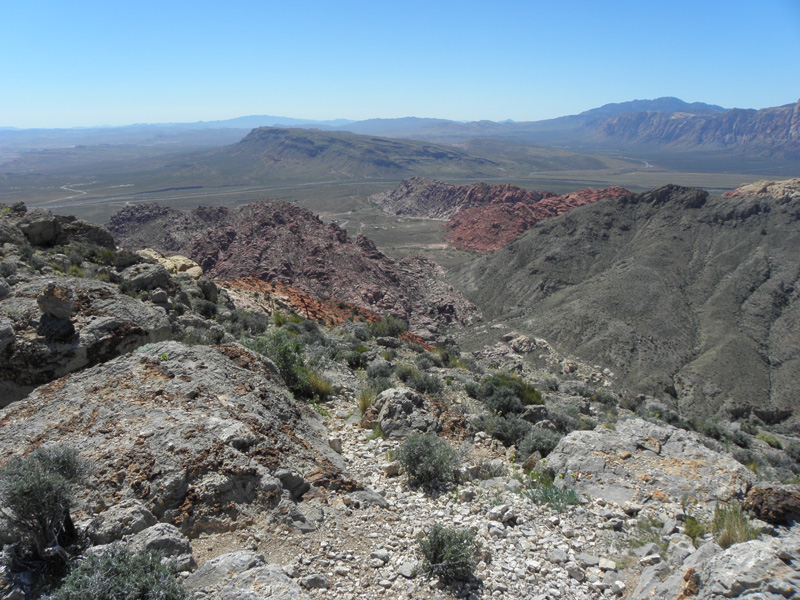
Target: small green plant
<point x="449" y="553"/>
<point x="539" y="487"/>
<point x="730" y="526"/>
<point x="37" y="493"/>
<point x="427" y="459"/>
<point x="75" y="271"/>
<point x="320" y="388"/>
<point x="120" y="574"/>
<point x="770" y="439"/>
<point x="365" y="399"/>
<point x="163" y="356"/>
<point x="377" y="433"/>
<point x="694" y="528"/>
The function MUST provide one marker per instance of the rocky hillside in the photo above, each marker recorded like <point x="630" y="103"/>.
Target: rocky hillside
<point x="684" y="295"/>
<point x="488" y="227"/>
<point x="482" y="217"/>
<point x="265" y="456"/>
<point x="277" y="242"/>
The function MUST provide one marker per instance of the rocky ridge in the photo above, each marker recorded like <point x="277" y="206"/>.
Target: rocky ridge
<point x="483" y="217"/>
<point x="277" y="242"/>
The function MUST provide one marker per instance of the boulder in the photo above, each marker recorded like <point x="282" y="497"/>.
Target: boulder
<point x="58" y="329"/>
<point x="168" y="541"/>
<point x="146" y="277"/>
<point x="242" y="575"/>
<point x="40" y="227"/>
<point x="642" y="461"/>
<point x="776" y="504"/>
<point x="402" y="411"/>
<point x="126" y="518"/>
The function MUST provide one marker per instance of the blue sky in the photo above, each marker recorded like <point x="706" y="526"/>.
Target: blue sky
<point x="86" y="62"/>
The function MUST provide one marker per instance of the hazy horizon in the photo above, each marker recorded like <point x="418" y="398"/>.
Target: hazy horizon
<point x="75" y="65"/>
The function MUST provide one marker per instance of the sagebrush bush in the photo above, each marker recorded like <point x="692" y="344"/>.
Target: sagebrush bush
<point x="426" y="383"/>
<point x="508" y="429"/>
<point x="730" y="526"/>
<point x="538" y="439"/>
<point x="388" y="327"/>
<point x="37" y="493"/>
<point x="380" y="369"/>
<point x="427" y="459"/>
<point x="356" y="359"/>
<point x="120" y="574"/>
<point x="405" y="372"/>
<point x="449" y="553"/>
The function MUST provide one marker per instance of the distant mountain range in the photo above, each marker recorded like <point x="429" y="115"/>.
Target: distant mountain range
<point x="664" y="124"/>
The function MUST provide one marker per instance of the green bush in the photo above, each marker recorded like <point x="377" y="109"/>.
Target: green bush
<point x="425" y="383"/>
<point x="379" y="370"/>
<point x="449" y="553"/>
<point x="508" y="429"/>
<point x="538" y="439"/>
<point x="427" y="459"/>
<point x="286" y="351"/>
<point x="120" y="574"/>
<point x="388" y="327"/>
<point x="405" y="372"/>
<point x="730" y="526"/>
<point x="356" y="359"/>
<point x="37" y="493"/>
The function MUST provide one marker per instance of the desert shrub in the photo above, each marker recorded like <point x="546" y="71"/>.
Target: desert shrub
<point x="74" y="271"/>
<point x="739" y="438"/>
<point x="405" y="372"/>
<point x="694" y="528"/>
<point x="37" y="493"/>
<point x="7" y="269"/>
<point x="244" y="321"/>
<point x="427" y="458"/>
<point x="730" y="526"/>
<point x="389" y="355"/>
<point x="424" y="362"/>
<point x="356" y="359"/>
<point x="120" y="574"/>
<point x="37" y="262"/>
<point x="426" y="383"/>
<point x="538" y="439"/>
<point x="749" y="427"/>
<point x="770" y="439"/>
<point x="379" y="370"/>
<point x="365" y="399"/>
<point x="449" y="553"/>
<point x="564" y="421"/>
<point x="380" y="384"/>
<point x="286" y="351"/>
<point x="711" y="429"/>
<point x="506" y="394"/>
<point x="388" y="327"/>
<point x="489" y="469"/>
<point x="508" y="429"/>
<point x="319" y="387"/>
<point x="26" y="252"/>
<point x="362" y="333"/>
<point x="204" y="308"/>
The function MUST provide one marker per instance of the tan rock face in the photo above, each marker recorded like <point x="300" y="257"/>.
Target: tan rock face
<point x="788" y="189"/>
<point x="174" y="264"/>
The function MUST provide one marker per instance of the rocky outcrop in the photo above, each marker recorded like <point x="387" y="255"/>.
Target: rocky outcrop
<point x="54" y="329"/>
<point x="40" y="227"/>
<point x="489" y="227"/>
<point x="786" y="190"/>
<point x="280" y="243"/>
<point x="197" y="436"/>
<point x="642" y="461"/>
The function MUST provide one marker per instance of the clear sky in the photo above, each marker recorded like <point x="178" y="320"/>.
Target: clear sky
<point x="67" y="63"/>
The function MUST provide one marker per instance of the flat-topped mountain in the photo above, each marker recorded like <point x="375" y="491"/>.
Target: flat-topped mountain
<point x="274" y="241"/>
<point x="683" y="294"/>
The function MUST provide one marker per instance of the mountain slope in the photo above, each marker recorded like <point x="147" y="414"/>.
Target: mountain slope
<point x="278" y="242"/>
<point x="680" y="293"/>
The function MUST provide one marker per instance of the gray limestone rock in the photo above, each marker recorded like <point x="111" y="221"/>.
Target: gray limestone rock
<point x="127" y="518"/>
<point x="40" y="227"/>
<point x="242" y="575"/>
<point x="169" y="541"/>
<point x="403" y="411"/>
<point x="146" y="277"/>
<point x="646" y="461"/>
